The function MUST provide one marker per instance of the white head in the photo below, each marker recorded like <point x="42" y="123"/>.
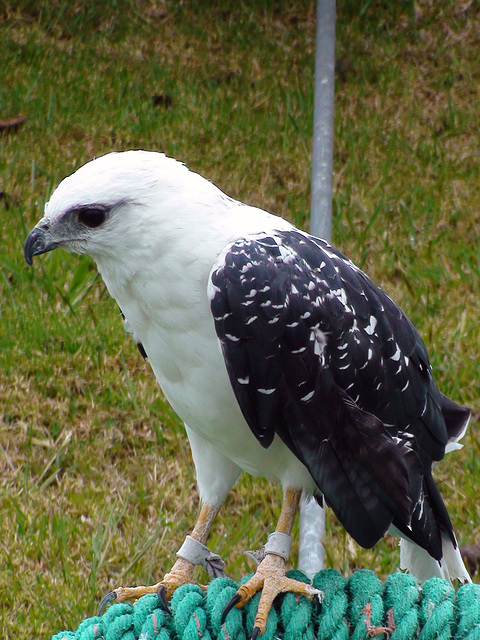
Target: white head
<point x="114" y="203"/>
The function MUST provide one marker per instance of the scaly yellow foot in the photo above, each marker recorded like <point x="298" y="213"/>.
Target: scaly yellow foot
<point x="270" y="577"/>
<point x="181" y="573"/>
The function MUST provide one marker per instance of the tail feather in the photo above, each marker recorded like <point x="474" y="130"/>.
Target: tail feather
<point x="428" y="547"/>
<point x="422" y="566"/>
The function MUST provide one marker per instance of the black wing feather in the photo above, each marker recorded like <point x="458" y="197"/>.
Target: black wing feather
<point x="321" y="357"/>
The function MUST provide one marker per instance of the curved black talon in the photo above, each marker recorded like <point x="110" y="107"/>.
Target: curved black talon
<point x="255" y="633"/>
<point x="235" y="599"/>
<point x="111" y="595"/>
<point x="162" y="599"/>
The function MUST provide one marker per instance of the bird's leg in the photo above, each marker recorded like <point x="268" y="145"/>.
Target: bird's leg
<point x="182" y="571"/>
<point x="270" y="573"/>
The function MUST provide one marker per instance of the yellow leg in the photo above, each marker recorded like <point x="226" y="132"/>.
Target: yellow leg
<point x="181" y="572"/>
<point x="270" y="574"/>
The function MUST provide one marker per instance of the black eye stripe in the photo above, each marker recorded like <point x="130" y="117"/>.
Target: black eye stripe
<point x="92" y="217"/>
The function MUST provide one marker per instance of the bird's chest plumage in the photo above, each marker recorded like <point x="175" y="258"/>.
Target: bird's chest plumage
<point x="169" y="315"/>
<point x="175" y="326"/>
<point x="167" y="310"/>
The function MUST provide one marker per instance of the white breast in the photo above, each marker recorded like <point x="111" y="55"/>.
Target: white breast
<point x="167" y="307"/>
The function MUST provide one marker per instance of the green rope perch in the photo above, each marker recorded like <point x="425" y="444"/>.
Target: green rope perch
<point x="359" y="608"/>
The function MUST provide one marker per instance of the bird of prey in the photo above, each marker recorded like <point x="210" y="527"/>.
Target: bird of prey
<point x="282" y="358"/>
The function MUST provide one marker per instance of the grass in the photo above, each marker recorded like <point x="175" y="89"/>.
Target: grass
<point x="96" y="482"/>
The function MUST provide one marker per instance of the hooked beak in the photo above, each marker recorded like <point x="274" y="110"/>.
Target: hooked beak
<point x="38" y="241"/>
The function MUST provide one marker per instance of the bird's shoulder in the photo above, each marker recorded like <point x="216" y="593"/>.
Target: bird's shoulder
<point x="289" y="275"/>
<point x="288" y="307"/>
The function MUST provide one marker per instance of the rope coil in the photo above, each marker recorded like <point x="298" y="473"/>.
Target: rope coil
<point x="360" y="607"/>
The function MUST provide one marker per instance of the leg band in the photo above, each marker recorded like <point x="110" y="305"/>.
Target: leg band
<point x="277" y="543"/>
<point x="197" y="553"/>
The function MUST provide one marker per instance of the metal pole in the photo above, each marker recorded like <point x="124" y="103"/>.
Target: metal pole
<point x="311" y="552"/>
<point x="322" y="155"/>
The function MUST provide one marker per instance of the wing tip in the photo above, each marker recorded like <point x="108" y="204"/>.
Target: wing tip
<point x="457" y="419"/>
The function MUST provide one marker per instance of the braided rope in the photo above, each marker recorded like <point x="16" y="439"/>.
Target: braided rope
<point x="360" y="607"/>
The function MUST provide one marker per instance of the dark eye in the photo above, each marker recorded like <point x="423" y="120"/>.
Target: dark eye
<point x="92" y="217"/>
